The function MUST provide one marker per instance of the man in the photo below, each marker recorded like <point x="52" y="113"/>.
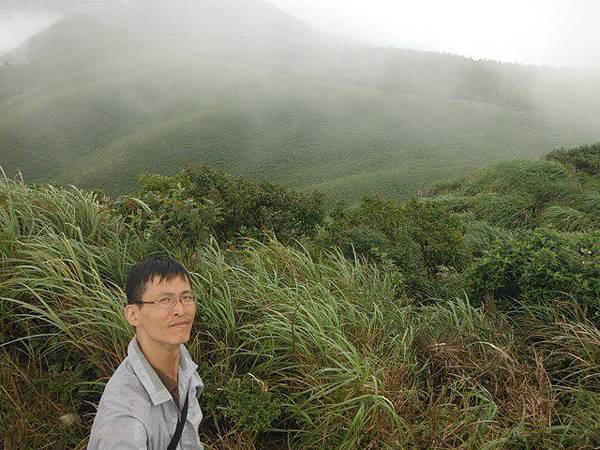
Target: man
<point x="151" y="401"/>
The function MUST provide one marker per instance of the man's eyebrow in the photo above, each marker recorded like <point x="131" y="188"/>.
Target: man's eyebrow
<point x="187" y="291"/>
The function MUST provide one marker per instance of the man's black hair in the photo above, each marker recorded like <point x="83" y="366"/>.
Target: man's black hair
<point x="164" y="267"/>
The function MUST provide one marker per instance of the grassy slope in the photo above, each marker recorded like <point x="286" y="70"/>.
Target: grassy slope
<point x="345" y="121"/>
<point x="158" y="114"/>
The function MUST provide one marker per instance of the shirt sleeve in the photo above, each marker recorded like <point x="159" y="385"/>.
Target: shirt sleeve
<point x="119" y="432"/>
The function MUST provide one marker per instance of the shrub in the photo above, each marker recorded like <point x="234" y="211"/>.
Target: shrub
<point x="250" y="208"/>
<point x="542" y="265"/>
<point x="249" y="404"/>
<point x="419" y="237"/>
<point x="439" y="233"/>
<point x="202" y="201"/>
<point x="165" y="211"/>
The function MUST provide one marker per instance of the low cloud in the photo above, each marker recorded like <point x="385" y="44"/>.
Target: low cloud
<point x="17" y="26"/>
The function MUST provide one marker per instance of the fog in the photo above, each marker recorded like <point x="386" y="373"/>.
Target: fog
<point x="542" y="32"/>
<point x="277" y="93"/>
<point x="559" y="33"/>
<point x="17" y="25"/>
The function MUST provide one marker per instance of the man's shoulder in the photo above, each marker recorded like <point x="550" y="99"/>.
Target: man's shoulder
<point x="124" y="392"/>
<point x="122" y="415"/>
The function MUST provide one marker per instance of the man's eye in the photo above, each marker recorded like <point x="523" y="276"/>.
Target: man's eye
<point x="165" y="300"/>
<point x="188" y="298"/>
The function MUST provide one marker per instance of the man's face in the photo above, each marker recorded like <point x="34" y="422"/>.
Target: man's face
<point x="159" y="325"/>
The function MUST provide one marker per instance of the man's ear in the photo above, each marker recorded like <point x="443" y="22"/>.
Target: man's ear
<point x="132" y="314"/>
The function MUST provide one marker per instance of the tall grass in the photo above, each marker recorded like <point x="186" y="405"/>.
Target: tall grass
<point x="37" y="404"/>
<point x="526" y="194"/>
<point x="62" y="251"/>
<point x="296" y="350"/>
<point x="566" y="218"/>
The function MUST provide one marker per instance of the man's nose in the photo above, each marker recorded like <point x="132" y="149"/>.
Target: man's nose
<point x="178" y="307"/>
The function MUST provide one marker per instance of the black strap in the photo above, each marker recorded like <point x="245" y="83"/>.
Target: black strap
<point x="180" y="425"/>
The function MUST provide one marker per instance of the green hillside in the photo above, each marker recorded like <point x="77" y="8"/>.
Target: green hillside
<point x="100" y="101"/>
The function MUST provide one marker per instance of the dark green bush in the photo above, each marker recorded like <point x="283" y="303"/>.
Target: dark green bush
<point x="201" y="202"/>
<point x="251" y="208"/>
<point x="402" y="251"/>
<point x="542" y="265"/>
<point x="439" y="233"/>
<point x="363" y="240"/>
<point x="420" y="237"/>
<point x="249" y="405"/>
<point x="165" y="211"/>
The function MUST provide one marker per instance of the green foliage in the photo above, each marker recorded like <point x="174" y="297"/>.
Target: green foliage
<point x="308" y="346"/>
<point x="542" y="265"/>
<point x="420" y="237"/>
<point x="544" y="181"/>
<point x="512" y="210"/>
<point x="249" y="209"/>
<point x="201" y="202"/>
<point x="566" y="218"/>
<point x="249" y="405"/>
<point x="164" y="210"/>
<point x="590" y="203"/>
<point x="439" y="233"/>
<point x="585" y="159"/>
<point x="27" y="210"/>
<point x="39" y="405"/>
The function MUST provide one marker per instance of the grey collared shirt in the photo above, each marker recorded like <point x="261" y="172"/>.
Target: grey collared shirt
<point x="136" y="411"/>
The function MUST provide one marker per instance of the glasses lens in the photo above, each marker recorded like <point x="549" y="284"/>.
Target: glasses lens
<point x="188" y="299"/>
<point x="167" y="302"/>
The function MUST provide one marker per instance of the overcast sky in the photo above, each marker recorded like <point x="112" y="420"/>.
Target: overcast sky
<point x="15" y="26"/>
<point x="552" y="32"/>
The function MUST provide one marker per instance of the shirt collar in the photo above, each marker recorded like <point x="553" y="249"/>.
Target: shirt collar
<point x="187" y="371"/>
<point x="149" y="378"/>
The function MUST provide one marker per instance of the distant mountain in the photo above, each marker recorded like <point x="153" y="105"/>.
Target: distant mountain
<point x="145" y="85"/>
<point x="115" y="24"/>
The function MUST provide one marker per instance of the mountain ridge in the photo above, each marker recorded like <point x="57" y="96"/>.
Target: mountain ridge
<point x="308" y="113"/>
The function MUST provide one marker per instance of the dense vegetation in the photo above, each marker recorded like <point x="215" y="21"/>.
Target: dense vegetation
<point x="465" y="318"/>
<point x="263" y="95"/>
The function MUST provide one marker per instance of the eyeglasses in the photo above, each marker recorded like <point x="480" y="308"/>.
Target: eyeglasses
<point x="168" y="302"/>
